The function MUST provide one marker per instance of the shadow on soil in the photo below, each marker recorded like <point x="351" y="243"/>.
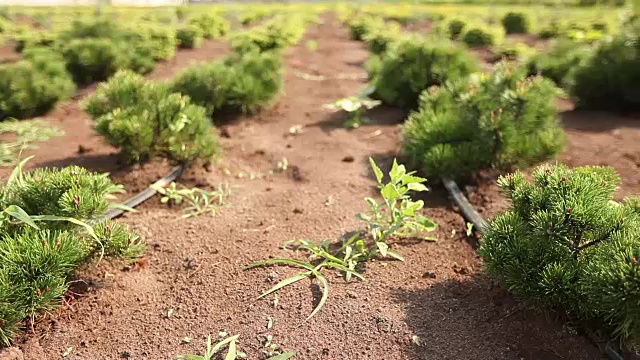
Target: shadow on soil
<point x="595" y="121"/>
<point x="473" y="319"/>
<point x="98" y="163"/>
<point x="382" y="115"/>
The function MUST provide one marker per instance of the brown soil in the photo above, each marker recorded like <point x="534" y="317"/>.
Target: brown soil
<point x="195" y="266"/>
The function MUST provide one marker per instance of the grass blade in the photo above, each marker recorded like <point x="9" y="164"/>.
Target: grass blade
<point x="283" y="356"/>
<point x="344" y="268"/>
<point x="285" y="282"/>
<point x="283" y="261"/>
<point x="232" y="354"/>
<point x="68" y="219"/>
<point x="395" y="255"/>
<point x="325" y="294"/>
<point x="18" y="213"/>
<point x="223" y="343"/>
<point x="16" y="174"/>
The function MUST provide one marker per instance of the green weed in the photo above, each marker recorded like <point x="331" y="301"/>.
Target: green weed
<point x="395" y="216"/>
<point x="355" y="106"/>
<point x="198" y="201"/>
<point x="25" y="134"/>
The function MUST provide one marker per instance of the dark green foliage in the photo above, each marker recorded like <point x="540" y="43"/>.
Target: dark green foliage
<point x="610" y="78"/>
<point x="276" y="34"/>
<point x="159" y="40"/>
<point x="212" y="25"/>
<point x="516" y="23"/>
<point x="31" y="87"/>
<point x="379" y="40"/>
<point x="362" y="25"/>
<point x="558" y="62"/>
<point x="500" y="120"/>
<point x="245" y="82"/>
<point x="513" y="51"/>
<point x="550" y="30"/>
<point x="144" y="119"/>
<point x="456" y="28"/>
<point x="90" y="60"/>
<point x="96" y="49"/>
<point x="36" y="263"/>
<point x="482" y="36"/>
<point x="413" y="65"/>
<point x="30" y="38"/>
<point x="564" y="245"/>
<point x="189" y="37"/>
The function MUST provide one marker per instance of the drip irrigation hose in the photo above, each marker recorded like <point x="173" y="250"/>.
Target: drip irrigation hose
<point x="147" y="193"/>
<point x="471" y="215"/>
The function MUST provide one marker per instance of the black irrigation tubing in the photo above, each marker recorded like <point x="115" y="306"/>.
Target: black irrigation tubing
<point x="471" y="215"/>
<point x="147" y="193"/>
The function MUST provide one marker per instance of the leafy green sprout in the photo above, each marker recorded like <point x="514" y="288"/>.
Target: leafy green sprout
<point x="395" y="216"/>
<point x="198" y="201"/>
<point x="356" y="107"/>
<point x="232" y="351"/>
<point x="25" y="133"/>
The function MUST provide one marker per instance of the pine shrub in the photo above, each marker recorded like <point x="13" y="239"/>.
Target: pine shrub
<point x="144" y="119"/>
<point x="189" y="37"/>
<point x="558" y="62"/>
<point x="456" y="28"/>
<point x="360" y="26"/>
<point x="160" y="40"/>
<point x="610" y="78"/>
<point x="479" y="36"/>
<point x="379" y="40"/>
<point x="276" y="34"/>
<point x="413" y="65"/>
<point x="93" y="59"/>
<point x="213" y="26"/>
<point x="245" y="82"/>
<point x="501" y="120"/>
<point x="31" y="87"/>
<point x="36" y="263"/>
<point x="516" y="23"/>
<point x="513" y="51"/>
<point x="565" y="245"/>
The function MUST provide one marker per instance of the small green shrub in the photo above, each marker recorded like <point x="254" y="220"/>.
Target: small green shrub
<point x="93" y="59"/>
<point x="479" y="36"/>
<point x="159" y="40"/>
<point x="276" y="34"/>
<point x="189" y="37"/>
<point x="565" y="245"/>
<point x="513" y="51"/>
<point x="455" y="28"/>
<point x="500" y="120"/>
<point x="378" y="40"/>
<point x="551" y="30"/>
<point x="516" y="23"/>
<point x="30" y="38"/>
<point x="245" y="82"/>
<point x="362" y="25"/>
<point x="610" y="78"/>
<point x="413" y="65"/>
<point x="144" y="119"/>
<point x="213" y="26"/>
<point x="558" y="62"/>
<point x="31" y="87"/>
<point x="36" y="260"/>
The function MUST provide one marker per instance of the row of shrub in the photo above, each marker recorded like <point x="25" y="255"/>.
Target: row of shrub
<point x="277" y="33"/>
<point x="90" y="51"/>
<point x="40" y="246"/>
<point x="145" y="119"/>
<point x="564" y="244"/>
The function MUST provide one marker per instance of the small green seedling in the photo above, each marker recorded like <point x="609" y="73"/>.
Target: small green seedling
<point x="198" y="201"/>
<point x="311" y="45"/>
<point x="355" y="106"/>
<point x="396" y="216"/>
